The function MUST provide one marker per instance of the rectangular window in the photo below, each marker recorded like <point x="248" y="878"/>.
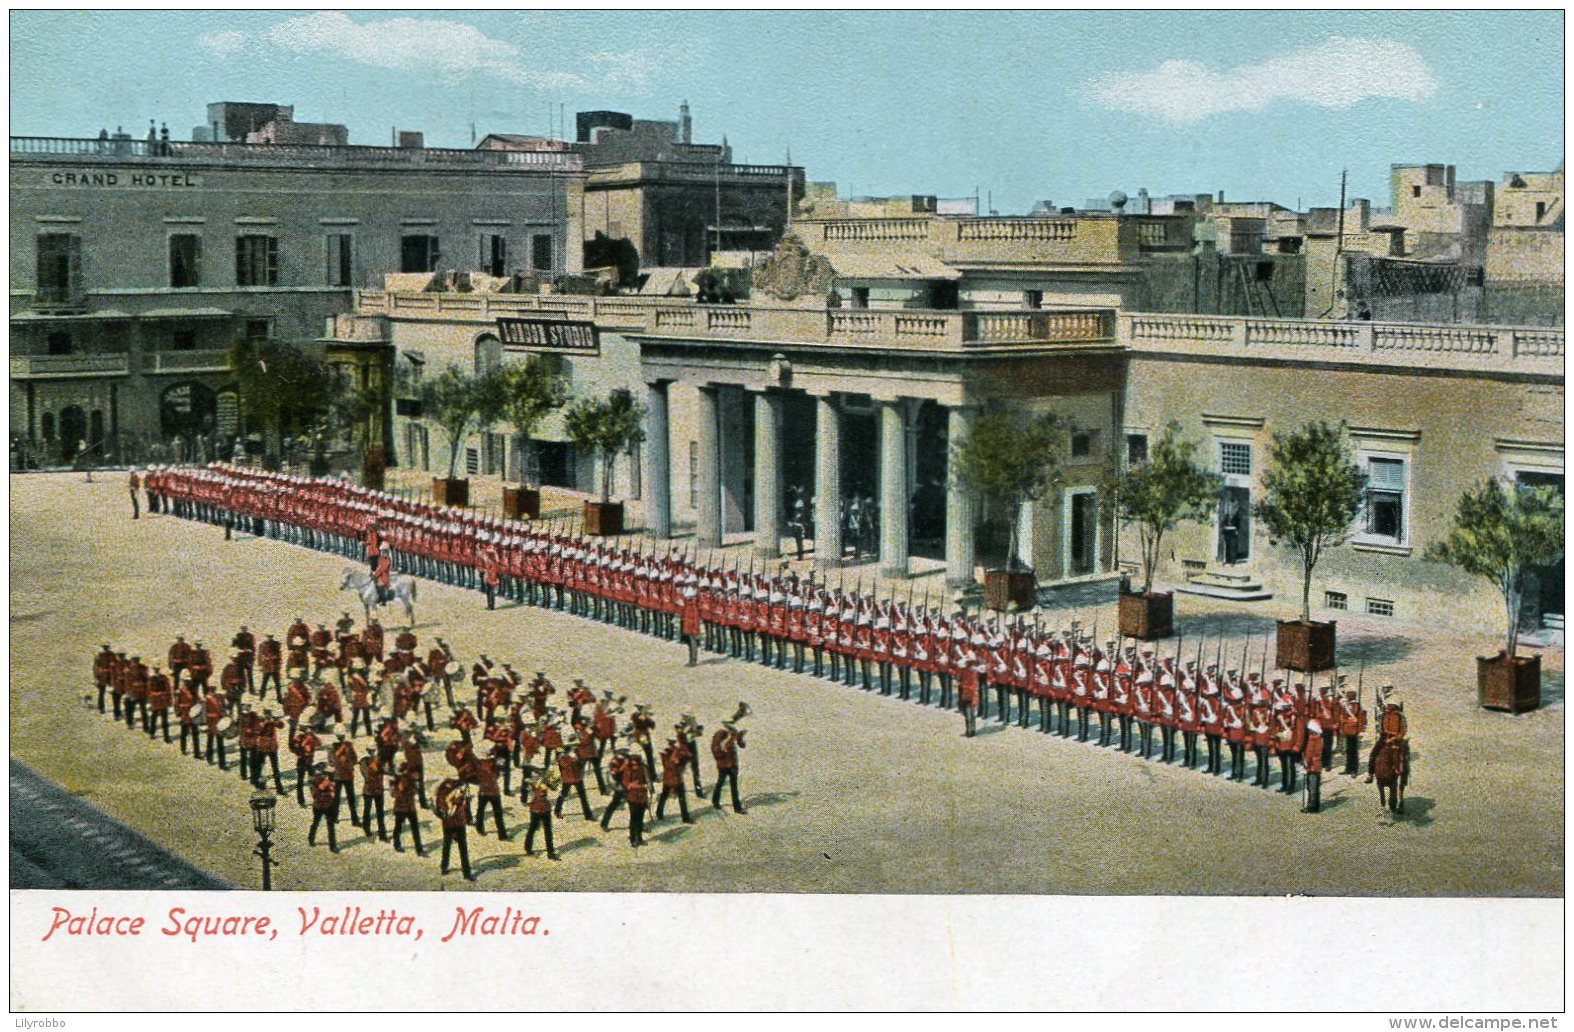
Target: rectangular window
<point x="472" y="462"/>
<point x="541" y="252"/>
<point x="1136" y="449"/>
<point x="59" y="267"/>
<point x="1235" y="458"/>
<point x="1033" y="298"/>
<point x="1385" y="498"/>
<point x="341" y="258"/>
<point x="1380" y="607"/>
<point x="1336" y="600"/>
<point x="256" y="261"/>
<point x="183" y="340"/>
<point x="494" y="254"/>
<point x="418" y="253"/>
<point x="58" y="343"/>
<point x="185" y="260"/>
<point x="258" y="329"/>
<point x="860" y="297"/>
<point x="1081" y="444"/>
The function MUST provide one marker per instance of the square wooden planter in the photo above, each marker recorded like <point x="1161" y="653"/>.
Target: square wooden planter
<point x="1510" y="685"/>
<point x="454" y="492"/>
<point x="1307" y="646"/>
<point x="1147" y="617"/>
<point x="604" y="519"/>
<point x="1005" y="590"/>
<point x="521" y="503"/>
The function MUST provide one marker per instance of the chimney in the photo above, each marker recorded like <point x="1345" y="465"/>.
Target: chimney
<point x="685" y="124"/>
<point x="1221" y="197"/>
<point x="411" y="139"/>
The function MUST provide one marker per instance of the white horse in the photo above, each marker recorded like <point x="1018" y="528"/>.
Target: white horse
<point x="401" y="588"/>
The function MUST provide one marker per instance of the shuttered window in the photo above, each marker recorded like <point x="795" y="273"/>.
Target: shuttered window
<point x="1385" y="498"/>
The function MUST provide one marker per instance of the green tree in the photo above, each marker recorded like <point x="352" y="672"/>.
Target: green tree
<point x="608" y="427"/>
<point x="522" y="395"/>
<point x="455" y="400"/>
<point x="1501" y="534"/>
<point x="1158" y="494"/>
<point x="1011" y="458"/>
<point x="1311" y="493"/>
<point x="284" y="390"/>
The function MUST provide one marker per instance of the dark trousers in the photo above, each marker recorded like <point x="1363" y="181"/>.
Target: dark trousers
<point x="1314" y="792"/>
<point x="157" y="718"/>
<point x="400" y="820"/>
<point x="637" y="823"/>
<point x="135" y="511"/>
<point x="368" y="804"/>
<point x="301" y="766"/>
<point x="341" y="789"/>
<point x="359" y="715"/>
<point x="727" y="776"/>
<point x="683" y="802"/>
<point x="495" y="803"/>
<point x="270" y="676"/>
<point x="190" y="731"/>
<point x="1352" y="754"/>
<point x="331" y="818"/>
<point x="544" y="822"/>
<point x="451" y="836"/>
<point x="612" y="807"/>
<point x="215" y="740"/>
<point x="257" y="758"/>
<point x="584" y="803"/>
<point x="1261" y="754"/>
<point x="694" y="766"/>
<point x="101" y="690"/>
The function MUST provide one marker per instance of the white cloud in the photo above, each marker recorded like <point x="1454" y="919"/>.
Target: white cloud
<point x="452" y="50"/>
<point x="1340" y="72"/>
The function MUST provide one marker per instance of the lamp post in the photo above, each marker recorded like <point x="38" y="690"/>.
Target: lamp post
<point x="262" y="804"/>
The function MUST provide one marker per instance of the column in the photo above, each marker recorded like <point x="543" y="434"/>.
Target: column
<point x="959" y="507"/>
<point x="657" y="472"/>
<point x="827" y="483"/>
<point x="767" y="474"/>
<point x="893" y="489"/>
<point x="707" y="525"/>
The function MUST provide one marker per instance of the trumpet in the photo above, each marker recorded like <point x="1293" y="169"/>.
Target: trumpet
<point x="742" y="711"/>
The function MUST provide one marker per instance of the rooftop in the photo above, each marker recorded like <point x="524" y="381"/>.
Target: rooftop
<point x="67" y="151"/>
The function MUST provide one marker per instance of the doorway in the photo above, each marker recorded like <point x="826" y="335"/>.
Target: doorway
<point x="1544" y="585"/>
<point x="1234" y="522"/>
<point x="1082" y="534"/>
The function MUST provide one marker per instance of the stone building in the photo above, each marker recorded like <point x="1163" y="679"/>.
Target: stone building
<point x="1524" y="254"/>
<point x="136" y="263"/>
<point x="816" y="390"/>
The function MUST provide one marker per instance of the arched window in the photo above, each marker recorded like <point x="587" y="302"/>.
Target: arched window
<point x="488" y="354"/>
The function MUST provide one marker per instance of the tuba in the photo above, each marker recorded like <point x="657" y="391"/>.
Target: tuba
<point x="737" y="719"/>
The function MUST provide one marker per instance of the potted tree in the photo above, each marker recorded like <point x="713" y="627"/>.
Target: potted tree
<point x="525" y="393"/>
<point x="1010" y="459"/>
<point x="1157" y="495"/>
<point x="1311" y="493"/>
<point x="607" y="428"/>
<point x="1501" y="534"/>
<point x="454" y="400"/>
<point x="284" y="391"/>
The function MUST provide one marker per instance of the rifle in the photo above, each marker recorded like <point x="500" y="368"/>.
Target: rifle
<point x="1262" y="674"/>
<point x="1360" y="680"/>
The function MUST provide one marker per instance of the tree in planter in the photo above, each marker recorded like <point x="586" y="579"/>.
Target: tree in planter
<point x="1158" y="494"/>
<point x="1311" y="493"/>
<point x="609" y="428"/>
<point x="1011" y="459"/>
<point x="523" y="395"/>
<point x="1501" y="535"/>
<point x="456" y="401"/>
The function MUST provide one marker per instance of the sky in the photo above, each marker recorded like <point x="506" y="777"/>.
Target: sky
<point x="1021" y="107"/>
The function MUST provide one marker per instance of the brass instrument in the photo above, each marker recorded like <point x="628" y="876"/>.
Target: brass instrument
<point x="743" y="711"/>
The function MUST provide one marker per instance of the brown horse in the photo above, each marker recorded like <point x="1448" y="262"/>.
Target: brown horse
<point x="1391" y="771"/>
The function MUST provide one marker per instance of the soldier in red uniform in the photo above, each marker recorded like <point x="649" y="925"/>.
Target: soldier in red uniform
<point x="135" y="482"/>
<point x="642" y="724"/>
<point x="342" y="758"/>
<point x="453" y="809"/>
<point x="483" y="771"/>
<point x="186" y="699"/>
<point x="673" y="759"/>
<point x="689" y="627"/>
<point x="636" y="790"/>
<point x="966" y="669"/>
<point x="724" y="746"/>
<point x="539" y="803"/>
<point x="213" y="710"/>
<point x="325" y="807"/>
<point x="160" y="697"/>
<point x="404" y="792"/>
<point x="415" y="763"/>
<point x="1352" y="722"/>
<point x="245" y="645"/>
<point x="372" y="776"/>
<point x="270" y="661"/>
<point x="489" y="573"/>
<point x="573" y="782"/>
<point x="360" y="701"/>
<point x="620" y="759"/>
<point x="179" y="658"/>
<point x="265" y="746"/>
<point x="330" y="703"/>
<point x="103" y="672"/>
<point x="372" y="641"/>
<point x="322" y="651"/>
<point x="1312" y="757"/>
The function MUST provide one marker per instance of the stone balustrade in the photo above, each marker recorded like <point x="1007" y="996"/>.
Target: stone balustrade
<point x="30" y="367"/>
<point x="1508" y="349"/>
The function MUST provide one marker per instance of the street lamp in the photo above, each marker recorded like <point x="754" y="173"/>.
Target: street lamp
<point x="262" y="804"/>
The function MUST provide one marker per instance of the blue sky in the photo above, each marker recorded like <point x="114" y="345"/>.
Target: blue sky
<point x="1026" y="106"/>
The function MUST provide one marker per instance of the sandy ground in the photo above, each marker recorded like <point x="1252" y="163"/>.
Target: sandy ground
<point x="847" y="791"/>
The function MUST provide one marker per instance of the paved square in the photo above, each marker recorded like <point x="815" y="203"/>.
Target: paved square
<point x="847" y="791"/>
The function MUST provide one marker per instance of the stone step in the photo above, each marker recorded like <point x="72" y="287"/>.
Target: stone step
<point x="1254" y="593"/>
<point x="1213" y="579"/>
<point x="1552" y="621"/>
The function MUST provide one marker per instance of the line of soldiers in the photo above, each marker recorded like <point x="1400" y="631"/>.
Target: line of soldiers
<point x="793" y="623"/>
<point x="511" y="727"/>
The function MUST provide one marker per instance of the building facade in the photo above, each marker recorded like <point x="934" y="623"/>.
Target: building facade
<point x="135" y="264"/>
